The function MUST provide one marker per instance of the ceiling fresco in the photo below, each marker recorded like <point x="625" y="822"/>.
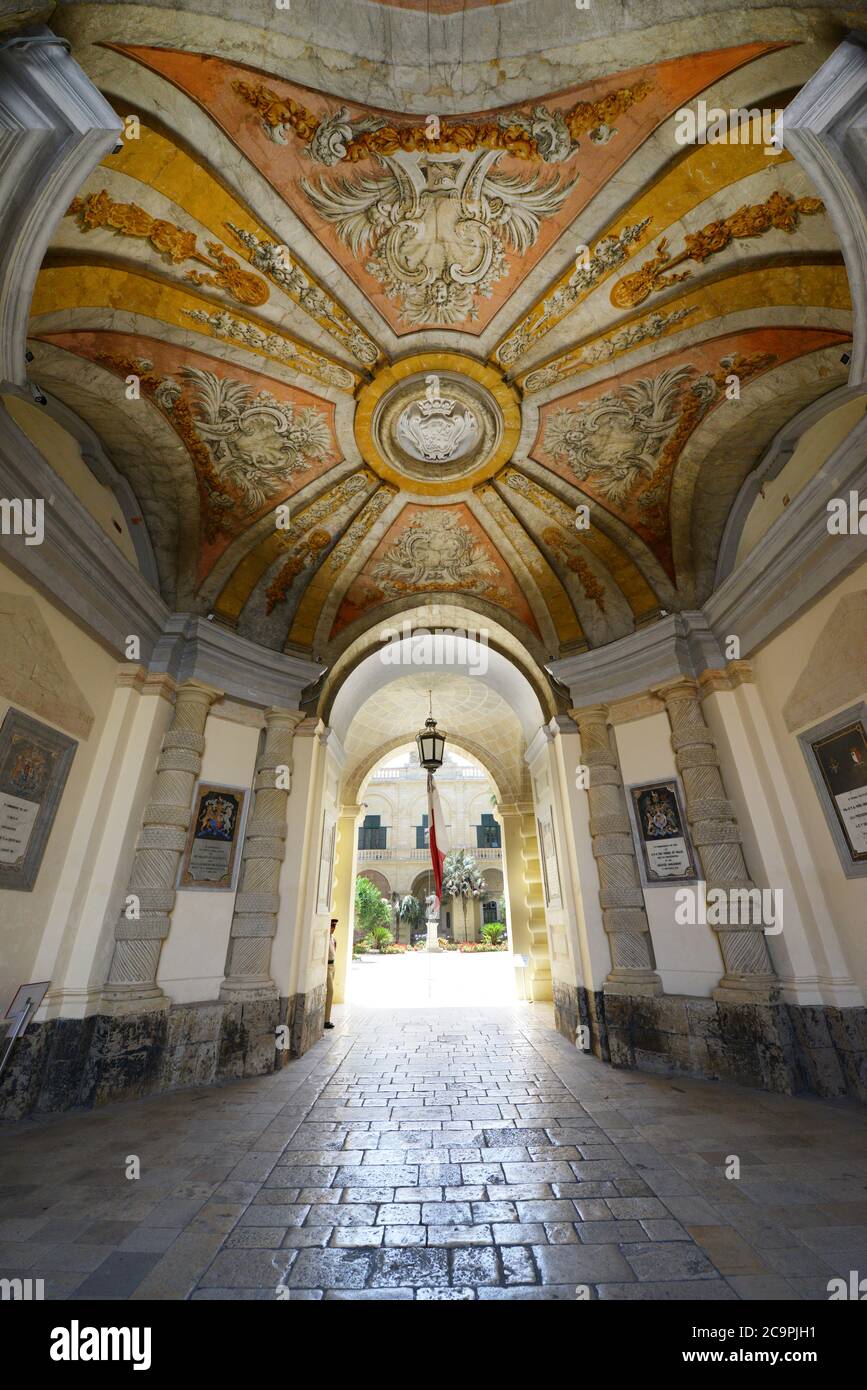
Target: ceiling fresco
<point x="487" y="356"/>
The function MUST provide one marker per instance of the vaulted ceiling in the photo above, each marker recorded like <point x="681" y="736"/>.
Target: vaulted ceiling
<point x="359" y="338"/>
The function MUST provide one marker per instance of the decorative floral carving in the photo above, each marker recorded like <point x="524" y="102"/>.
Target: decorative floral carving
<point x="438" y="551"/>
<point x="604" y="349"/>
<point x="302" y="556"/>
<point x="355" y="534"/>
<point x="618" y="438"/>
<point x="567" y="547"/>
<point x="437" y="231"/>
<point x="631" y="439"/>
<point x="256" y="441"/>
<point x="781" y="212"/>
<point x="128" y="219"/>
<point x="608" y="253"/>
<point x="542" y="135"/>
<point x="302" y="359"/>
<point x="275" y="262"/>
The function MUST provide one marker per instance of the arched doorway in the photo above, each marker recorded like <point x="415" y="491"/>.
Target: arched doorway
<point x="492" y="707"/>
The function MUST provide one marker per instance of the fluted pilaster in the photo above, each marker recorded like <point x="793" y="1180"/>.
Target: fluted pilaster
<point x="749" y="973"/>
<point x="622" y="900"/>
<point x="254" y="923"/>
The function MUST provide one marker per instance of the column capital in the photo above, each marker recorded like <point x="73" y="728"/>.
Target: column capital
<point x="725" y="678"/>
<point x="351" y="809"/>
<point x="590" y="714"/>
<point x="684" y="688"/>
<point x="275" y="716"/>
<point x="193" y="691"/>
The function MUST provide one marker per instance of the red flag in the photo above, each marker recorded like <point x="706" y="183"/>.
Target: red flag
<point x="437" y="835"/>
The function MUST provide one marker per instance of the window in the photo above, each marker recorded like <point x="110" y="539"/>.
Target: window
<point x="372" y="835"/>
<point x="489" y="912"/>
<point x="421" y="837"/>
<point x="488" y="833"/>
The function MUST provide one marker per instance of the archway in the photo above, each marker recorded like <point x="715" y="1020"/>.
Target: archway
<point x="492" y="703"/>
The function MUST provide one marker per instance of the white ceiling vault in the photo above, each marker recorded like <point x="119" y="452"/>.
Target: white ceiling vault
<point x="408" y="285"/>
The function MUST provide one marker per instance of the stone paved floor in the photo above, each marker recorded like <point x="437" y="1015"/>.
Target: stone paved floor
<point x="440" y="1153"/>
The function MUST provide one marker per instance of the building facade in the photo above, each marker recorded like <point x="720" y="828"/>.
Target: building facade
<point x="393" y="849"/>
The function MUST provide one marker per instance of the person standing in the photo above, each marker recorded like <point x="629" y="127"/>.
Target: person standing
<point x="329" y="979"/>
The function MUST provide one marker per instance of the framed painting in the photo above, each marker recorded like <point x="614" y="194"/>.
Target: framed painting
<point x="34" y="765"/>
<point x="665" y="850"/>
<point x="836" y="754"/>
<point x="212" y="854"/>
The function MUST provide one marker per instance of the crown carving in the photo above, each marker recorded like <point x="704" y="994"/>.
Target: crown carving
<point x="435" y="403"/>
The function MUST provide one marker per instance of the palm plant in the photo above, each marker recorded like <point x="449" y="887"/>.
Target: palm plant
<point x="409" y="911"/>
<point x="462" y="879"/>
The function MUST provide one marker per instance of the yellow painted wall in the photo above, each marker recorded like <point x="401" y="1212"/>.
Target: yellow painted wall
<point x="777" y="667"/>
<point x="814" y="447"/>
<point x="24" y="915"/>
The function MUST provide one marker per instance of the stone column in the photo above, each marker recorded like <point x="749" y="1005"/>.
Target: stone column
<point x="342" y="898"/>
<point x="540" y="984"/>
<point x="621" y="898"/>
<point x="749" y="975"/>
<point x="254" y="923"/>
<point x="131" y="983"/>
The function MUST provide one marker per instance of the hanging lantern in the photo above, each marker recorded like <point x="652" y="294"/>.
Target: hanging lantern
<point x="431" y="744"/>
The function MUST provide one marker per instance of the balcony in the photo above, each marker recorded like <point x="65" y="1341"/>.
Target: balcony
<point x="370" y="856"/>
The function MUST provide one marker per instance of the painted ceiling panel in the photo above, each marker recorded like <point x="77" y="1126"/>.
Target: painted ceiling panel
<point x="377" y="365"/>
<point x="436" y="219"/>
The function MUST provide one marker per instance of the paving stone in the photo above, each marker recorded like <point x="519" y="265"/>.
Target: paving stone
<point x="709" y="1290"/>
<point x="518" y="1233"/>
<point x="267" y="1215"/>
<point x="352" y="1214"/>
<point x="405" y="1235"/>
<point x="663" y="1261"/>
<point x="518" y="1267"/>
<point x="472" y="1268"/>
<point x="350" y="1236"/>
<point x="494" y="1211"/>
<point x="410" y="1268"/>
<point x="581" y="1264"/>
<point x="330" y="1269"/>
<point x="438" y="1295"/>
<point x="256" y="1238"/>
<point x="459" y="1235"/>
<point x="118" y="1276"/>
<point x="446" y="1213"/>
<point x="546" y="1211"/>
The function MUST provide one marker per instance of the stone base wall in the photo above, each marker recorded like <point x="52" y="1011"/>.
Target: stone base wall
<point x="780" y="1047"/>
<point x="67" y="1063"/>
<point x="305" y="1016"/>
<point x="574" y="1007"/>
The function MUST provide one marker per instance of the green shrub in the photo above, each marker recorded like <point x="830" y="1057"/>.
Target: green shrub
<point x="493" y="933"/>
<point x="378" y="939"/>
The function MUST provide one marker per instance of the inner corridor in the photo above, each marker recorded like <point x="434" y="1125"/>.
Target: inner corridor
<point x="440" y="1153"/>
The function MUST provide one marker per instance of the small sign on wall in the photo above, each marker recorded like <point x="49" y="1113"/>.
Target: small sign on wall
<point x="326" y="864"/>
<point x="212" y="854"/>
<point x="836" y="754"/>
<point x="665" y="850"/>
<point x="34" y="765"/>
<point x="548" y="857"/>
